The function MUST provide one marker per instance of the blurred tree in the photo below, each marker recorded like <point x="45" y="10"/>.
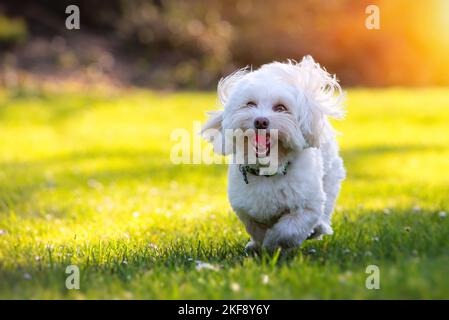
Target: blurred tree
<point x="168" y="43"/>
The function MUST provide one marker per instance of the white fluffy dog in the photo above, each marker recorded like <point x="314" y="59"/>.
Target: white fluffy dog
<point x="295" y="203"/>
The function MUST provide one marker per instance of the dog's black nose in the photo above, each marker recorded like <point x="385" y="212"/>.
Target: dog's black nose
<point x="261" y="123"/>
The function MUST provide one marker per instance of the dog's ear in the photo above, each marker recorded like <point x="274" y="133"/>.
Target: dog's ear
<point x="212" y="131"/>
<point x="311" y="122"/>
<point x="323" y="98"/>
<point x="226" y="84"/>
<point x="214" y="121"/>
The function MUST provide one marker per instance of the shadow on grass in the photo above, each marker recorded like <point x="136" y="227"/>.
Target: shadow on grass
<point x="371" y="237"/>
<point x="368" y="238"/>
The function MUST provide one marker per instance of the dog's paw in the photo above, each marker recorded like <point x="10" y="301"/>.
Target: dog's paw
<point x="252" y="247"/>
<point x="275" y="239"/>
<point x="319" y="231"/>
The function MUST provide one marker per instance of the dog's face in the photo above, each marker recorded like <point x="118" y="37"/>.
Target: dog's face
<point x="261" y="106"/>
<point x="291" y="99"/>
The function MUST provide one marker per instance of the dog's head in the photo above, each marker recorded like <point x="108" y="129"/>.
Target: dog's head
<point x="293" y="99"/>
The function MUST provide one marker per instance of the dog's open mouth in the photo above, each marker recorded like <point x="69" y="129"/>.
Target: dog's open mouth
<point x="262" y="144"/>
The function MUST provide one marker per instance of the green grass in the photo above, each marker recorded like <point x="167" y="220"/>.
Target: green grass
<point x="86" y="179"/>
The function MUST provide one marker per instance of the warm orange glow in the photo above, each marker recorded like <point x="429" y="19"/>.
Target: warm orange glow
<point x="443" y="20"/>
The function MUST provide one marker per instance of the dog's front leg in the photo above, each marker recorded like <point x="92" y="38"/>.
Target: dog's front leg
<point x="256" y="231"/>
<point x="291" y="229"/>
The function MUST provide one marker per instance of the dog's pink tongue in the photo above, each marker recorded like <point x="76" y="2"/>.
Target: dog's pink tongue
<point x="261" y="140"/>
<point x="262" y="144"/>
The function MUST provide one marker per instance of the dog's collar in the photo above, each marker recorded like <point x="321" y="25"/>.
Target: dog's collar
<point x="245" y="169"/>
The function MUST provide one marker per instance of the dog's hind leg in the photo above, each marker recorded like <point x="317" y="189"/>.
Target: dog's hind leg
<point x="331" y="186"/>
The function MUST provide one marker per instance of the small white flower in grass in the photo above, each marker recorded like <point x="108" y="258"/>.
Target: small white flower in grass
<point x="37" y="258"/>
<point x="387" y="211"/>
<point x="94" y="184"/>
<point x="342" y="278"/>
<point x="152" y="246"/>
<point x="200" y="265"/>
<point x="2" y="232"/>
<point x="346" y="251"/>
<point x="173" y="184"/>
<point x="312" y="251"/>
<point x="235" y="287"/>
<point x="442" y="214"/>
<point x="27" y="276"/>
<point x="265" y="279"/>
<point x="136" y="214"/>
<point x="416" y="209"/>
<point x="376" y="239"/>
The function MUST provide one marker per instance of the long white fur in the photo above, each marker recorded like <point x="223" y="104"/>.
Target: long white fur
<point x="283" y="211"/>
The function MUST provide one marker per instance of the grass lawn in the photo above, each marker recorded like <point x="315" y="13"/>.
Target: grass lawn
<point x="86" y="179"/>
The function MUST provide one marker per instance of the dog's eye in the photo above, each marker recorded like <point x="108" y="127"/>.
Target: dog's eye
<point x="251" y="104"/>
<point x="279" y="108"/>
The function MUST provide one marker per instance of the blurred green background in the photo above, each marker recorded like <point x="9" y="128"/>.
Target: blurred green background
<point x="190" y="44"/>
